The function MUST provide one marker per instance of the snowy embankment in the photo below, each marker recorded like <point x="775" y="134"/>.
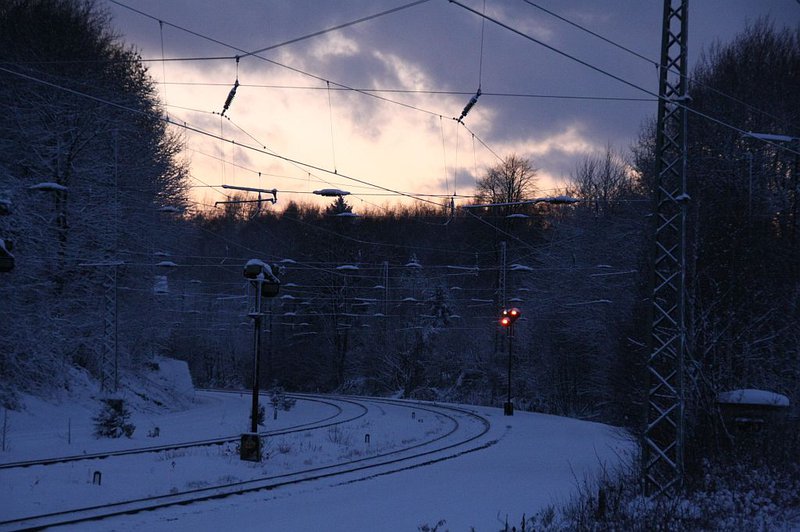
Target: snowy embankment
<point x="525" y="463"/>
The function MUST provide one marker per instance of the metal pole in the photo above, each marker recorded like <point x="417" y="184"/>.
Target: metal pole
<point x="750" y="186"/>
<point x="510" y="328"/>
<point x="116" y="333"/>
<point x="508" y="409"/>
<point x="504" y="262"/>
<point x="270" y="367"/>
<point x="256" y="355"/>
<point x="385" y="299"/>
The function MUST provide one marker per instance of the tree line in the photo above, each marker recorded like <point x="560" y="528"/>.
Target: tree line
<point x="89" y="173"/>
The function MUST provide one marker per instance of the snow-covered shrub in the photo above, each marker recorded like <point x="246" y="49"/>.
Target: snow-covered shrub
<point x="260" y="416"/>
<point x="284" y="447"/>
<point x="730" y="497"/>
<point x="423" y="394"/>
<point x="339" y="436"/>
<point x="279" y="399"/>
<point x="112" y="420"/>
<point x="542" y="521"/>
<point x="428" y="528"/>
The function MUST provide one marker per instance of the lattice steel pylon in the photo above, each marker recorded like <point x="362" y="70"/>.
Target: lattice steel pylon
<point x="663" y="436"/>
<point x="109" y="380"/>
<point x="109" y="362"/>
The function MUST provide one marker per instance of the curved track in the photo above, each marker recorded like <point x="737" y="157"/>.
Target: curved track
<point x="464" y="430"/>
<point x="320" y="423"/>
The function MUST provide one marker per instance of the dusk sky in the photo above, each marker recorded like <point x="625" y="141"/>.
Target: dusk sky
<point x="420" y="66"/>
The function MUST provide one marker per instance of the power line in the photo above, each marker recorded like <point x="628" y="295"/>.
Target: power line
<point x="648" y="60"/>
<point x="273" y="62"/>
<point x="339" y="27"/>
<point x="417" y="91"/>
<point x="614" y="76"/>
<point x="377" y="244"/>
<point x="319" y="78"/>
<point x="298" y="164"/>
<point x="590" y="32"/>
<point x="214" y="136"/>
<point x="316" y="177"/>
<point x="304" y="164"/>
<point x="285" y="43"/>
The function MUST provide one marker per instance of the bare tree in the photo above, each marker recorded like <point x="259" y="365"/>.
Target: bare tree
<point x="512" y="180"/>
<point x="602" y="180"/>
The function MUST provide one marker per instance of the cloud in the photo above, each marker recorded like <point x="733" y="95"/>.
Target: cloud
<point x="354" y="134"/>
<point x="435" y="46"/>
<point x="406" y="74"/>
<point x="333" y="45"/>
<point x="526" y="21"/>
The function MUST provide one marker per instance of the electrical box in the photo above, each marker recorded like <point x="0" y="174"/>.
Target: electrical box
<point x="250" y="447"/>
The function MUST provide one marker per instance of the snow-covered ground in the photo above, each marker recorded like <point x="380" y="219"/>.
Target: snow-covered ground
<point x="523" y="463"/>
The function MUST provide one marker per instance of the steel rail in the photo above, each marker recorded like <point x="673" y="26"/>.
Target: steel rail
<point x="388" y="458"/>
<point x="320" y="423"/>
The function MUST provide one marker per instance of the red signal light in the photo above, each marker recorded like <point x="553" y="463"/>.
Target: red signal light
<point x="509" y="316"/>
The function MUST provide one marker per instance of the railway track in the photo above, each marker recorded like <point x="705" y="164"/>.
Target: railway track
<point x="320" y="423"/>
<point x="463" y="434"/>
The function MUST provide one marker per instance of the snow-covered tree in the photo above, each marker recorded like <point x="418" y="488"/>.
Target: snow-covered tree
<point x="88" y="163"/>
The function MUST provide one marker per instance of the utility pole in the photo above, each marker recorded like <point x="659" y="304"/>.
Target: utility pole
<point x="501" y="289"/>
<point x="502" y="281"/>
<point x="385" y="300"/>
<point x="264" y="284"/>
<point x="385" y="288"/>
<point x="256" y="315"/>
<point x="507" y="319"/>
<point x="662" y="446"/>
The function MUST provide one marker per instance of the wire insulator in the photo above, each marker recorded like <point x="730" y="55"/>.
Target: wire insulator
<point x="472" y="101"/>
<point x="229" y="99"/>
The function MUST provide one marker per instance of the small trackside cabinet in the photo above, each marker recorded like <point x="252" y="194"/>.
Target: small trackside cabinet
<point x="250" y="447"/>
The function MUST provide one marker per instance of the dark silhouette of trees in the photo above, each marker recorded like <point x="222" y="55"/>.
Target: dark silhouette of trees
<point x="744" y="212"/>
<point x="91" y="170"/>
<point x="742" y="275"/>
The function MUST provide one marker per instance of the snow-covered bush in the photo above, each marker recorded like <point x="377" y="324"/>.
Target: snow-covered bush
<point x="284" y="447"/>
<point x="112" y="420"/>
<point x="340" y="436"/>
<point x="428" y="528"/>
<point x="260" y="416"/>
<point x="279" y="399"/>
<point x="730" y="497"/>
